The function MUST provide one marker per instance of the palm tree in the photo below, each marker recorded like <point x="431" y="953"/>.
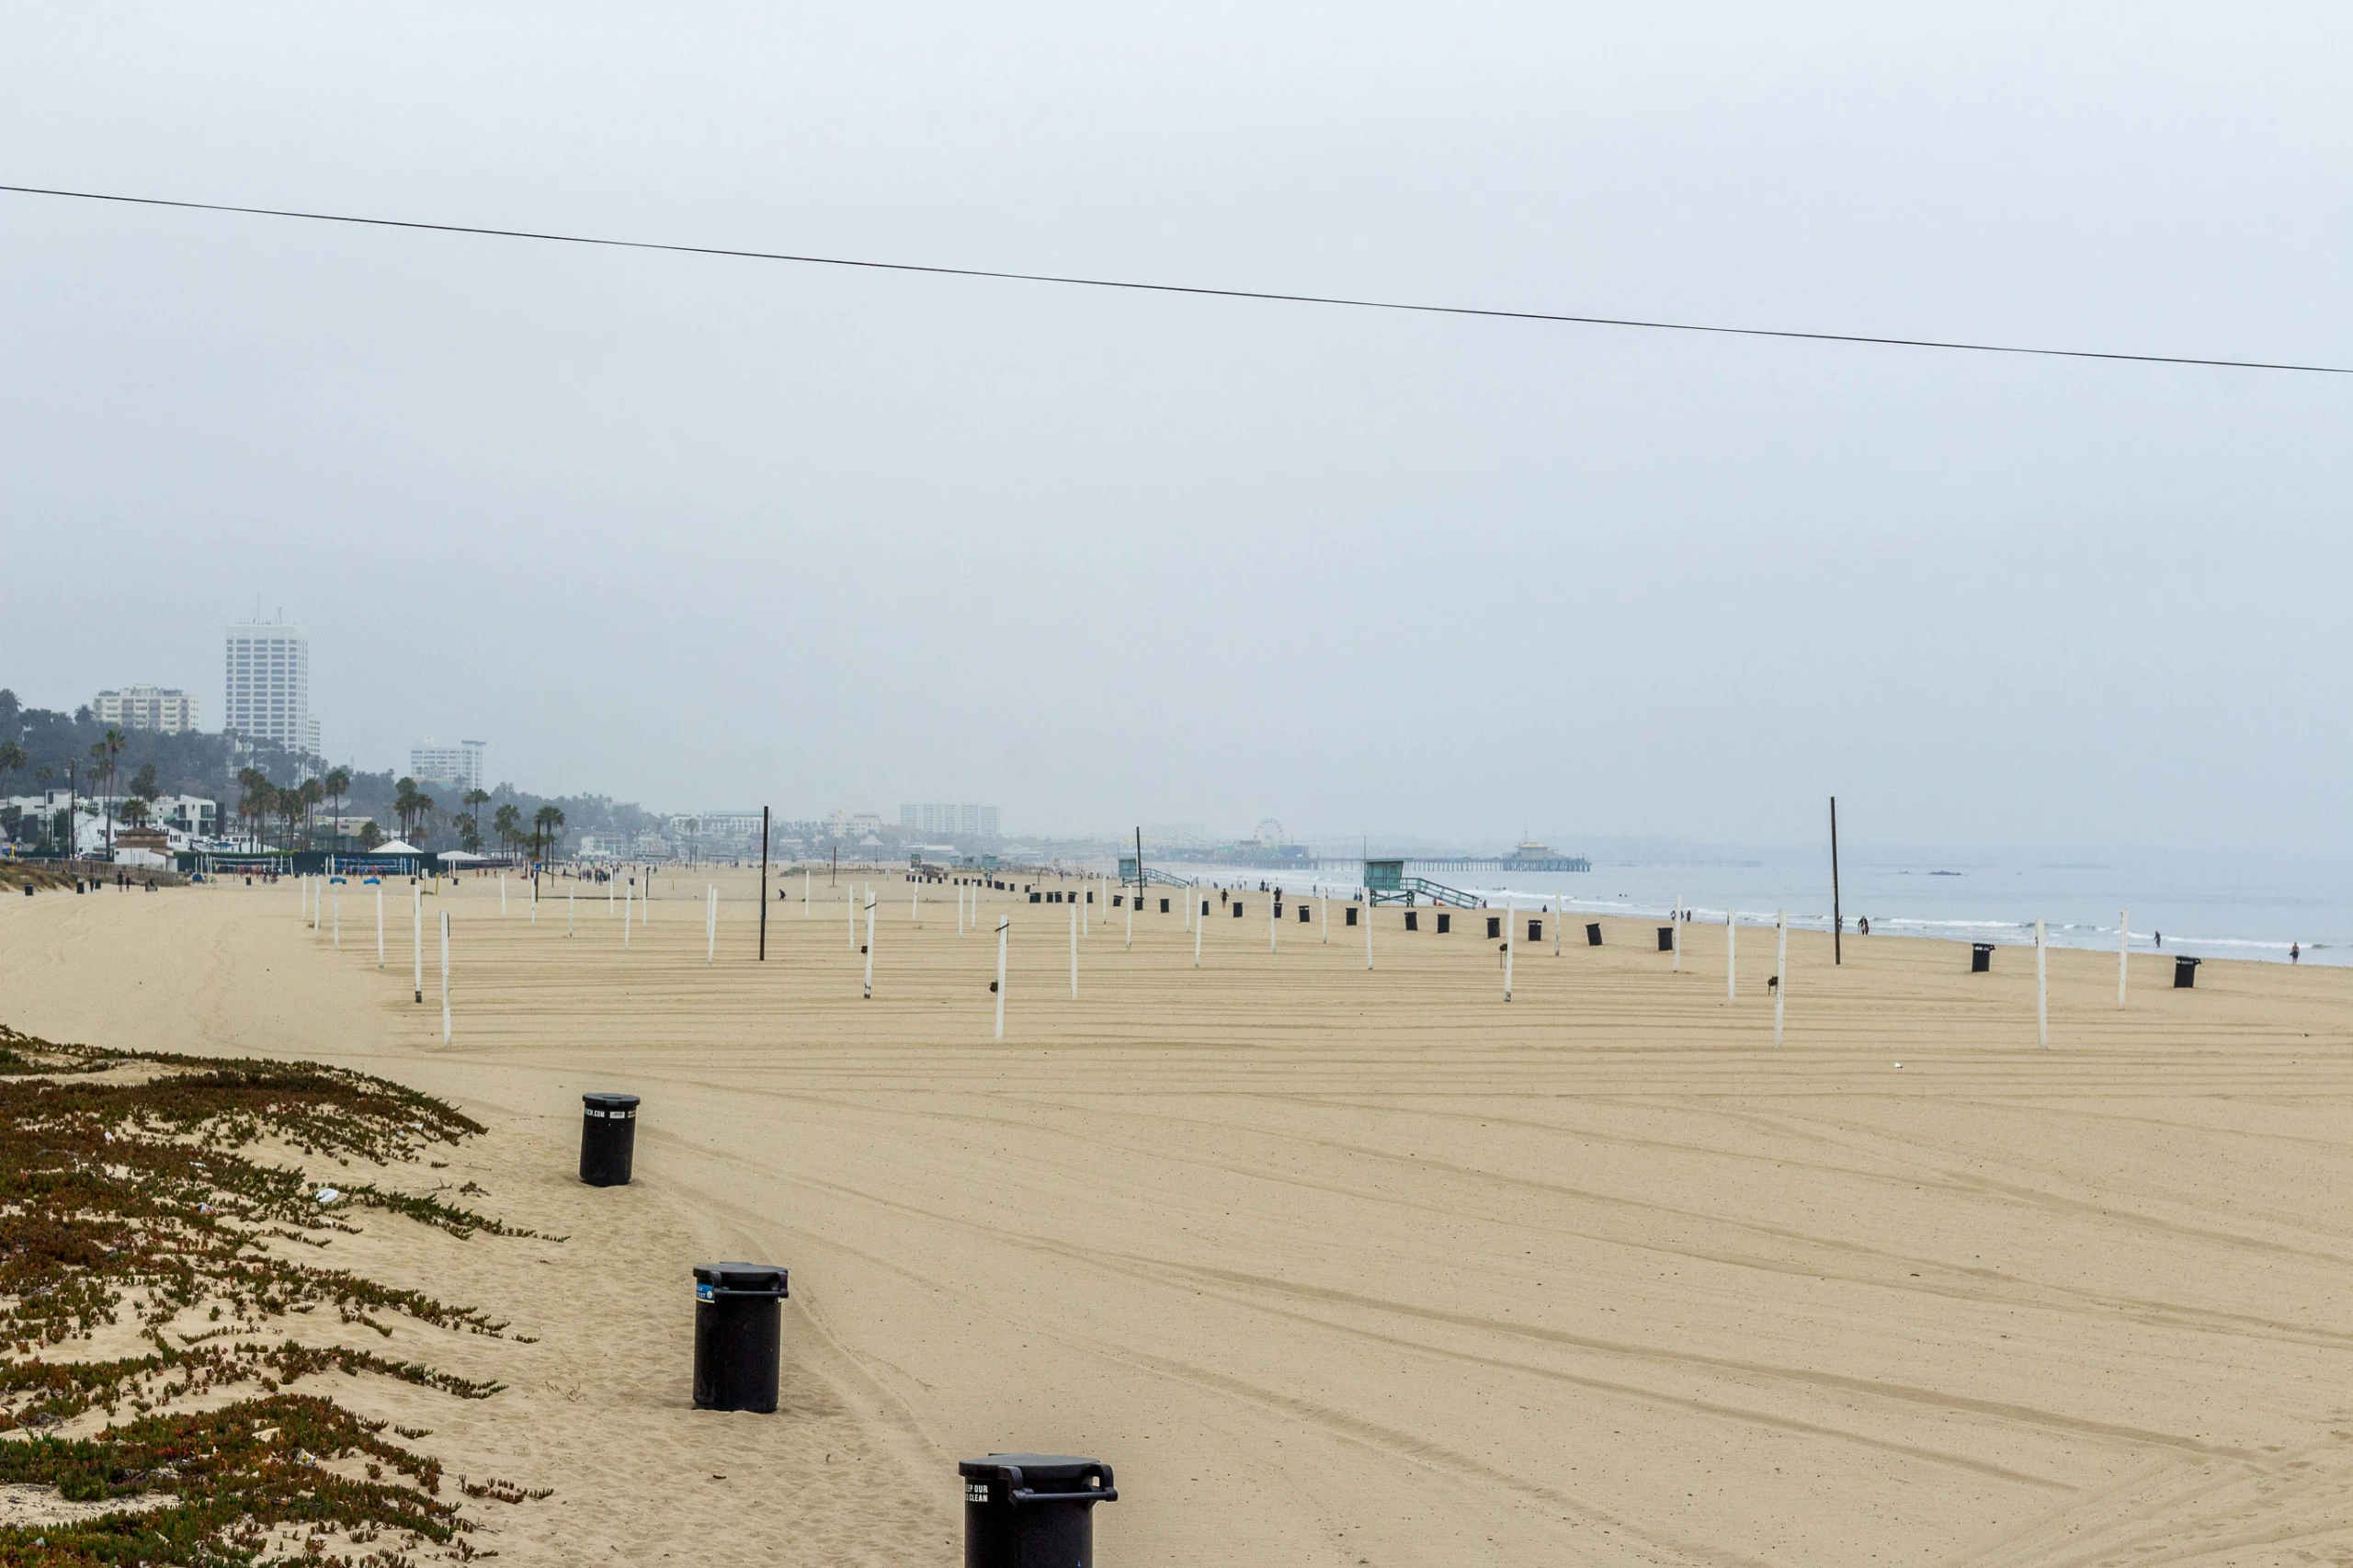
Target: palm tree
<point x="370" y="834"/>
<point x="409" y="805"/>
<point x="545" y="822"/>
<point x="105" y="753"/>
<point x="473" y="800"/>
<point x="134" y="812"/>
<point x="12" y="760"/>
<point x="290" y="803"/>
<point x="337" y="784"/>
<point x="312" y="792"/>
<point x="254" y="804"/>
<point x="509" y="823"/>
<point x="469" y="827"/>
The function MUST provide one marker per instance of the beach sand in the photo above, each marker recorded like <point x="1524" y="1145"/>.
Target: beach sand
<point x="1334" y="1267"/>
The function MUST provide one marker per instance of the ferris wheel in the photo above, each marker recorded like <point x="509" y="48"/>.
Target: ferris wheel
<point x="1271" y="831"/>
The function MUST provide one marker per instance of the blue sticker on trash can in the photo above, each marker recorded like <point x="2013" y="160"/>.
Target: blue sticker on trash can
<point x="702" y="1290"/>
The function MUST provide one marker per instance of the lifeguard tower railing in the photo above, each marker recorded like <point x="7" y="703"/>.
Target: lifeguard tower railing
<point x="1385" y="881"/>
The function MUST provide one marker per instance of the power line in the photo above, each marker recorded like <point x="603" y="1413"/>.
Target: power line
<point x="1197" y="291"/>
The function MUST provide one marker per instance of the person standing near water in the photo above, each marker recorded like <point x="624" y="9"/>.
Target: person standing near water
<point x="2295" y="952"/>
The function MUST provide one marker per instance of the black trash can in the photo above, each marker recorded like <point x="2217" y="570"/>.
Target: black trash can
<point x="1351" y="912"/>
<point x="1666" y="939"/>
<point x="1412" y="920"/>
<point x="1302" y="914"/>
<point x="1536" y="930"/>
<point x="1592" y="934"/>
<point x="1445" y="921"/>
<point x="1980" y="958"/>
<point x="1237" y="909"/>
<point x="1278" y="909"/>
<point x="1037" y="898"/>
<point x="1032" y="1510"/>
<point x="1495" y="926"/>
<point x="739" y="1331"/>
<point x="608" y="1139"/>
<point x="2184" y="973"/>
<point x="1163" y="906"/>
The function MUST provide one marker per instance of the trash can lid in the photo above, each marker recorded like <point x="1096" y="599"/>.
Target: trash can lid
<point x="611" y="1102"/>
<point x="742" y="1278"/>
<point x="1042" y="1473"/>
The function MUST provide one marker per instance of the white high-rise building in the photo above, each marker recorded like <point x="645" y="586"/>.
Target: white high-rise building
<point x="267" y="693"/>
<point x="459" y="764"/>
<point x="967" y="821"/>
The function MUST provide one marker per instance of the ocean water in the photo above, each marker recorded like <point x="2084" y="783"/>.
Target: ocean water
<point x="2215" y="908"/>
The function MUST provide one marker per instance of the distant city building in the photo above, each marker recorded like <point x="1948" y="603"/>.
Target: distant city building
<point x="460" y="765"/>
<point x="712" y="832"/>
<point x="267" y="693"/>
<point x="964" y="822"/>
<point x="146" y="707"/>
<point x="848" y="827"/>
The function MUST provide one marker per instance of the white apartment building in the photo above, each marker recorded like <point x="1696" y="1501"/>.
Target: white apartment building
<point x="267" y="692"/>
<point x="460" y="764"/>
<point x="146" y="707"/>
<point x="848" y="827"/>
<point x="965" y="822"/>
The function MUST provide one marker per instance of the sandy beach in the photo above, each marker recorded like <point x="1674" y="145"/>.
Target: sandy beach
<point x="1333" y="1265"/>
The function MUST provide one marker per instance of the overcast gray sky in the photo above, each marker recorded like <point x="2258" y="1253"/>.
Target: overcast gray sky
<point x="708" y="532"/>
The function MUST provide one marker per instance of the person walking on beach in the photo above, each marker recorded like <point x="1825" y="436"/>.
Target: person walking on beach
<point x="2295" y="952"/>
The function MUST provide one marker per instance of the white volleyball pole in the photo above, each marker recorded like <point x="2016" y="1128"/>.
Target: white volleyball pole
<point x="1085" y="899"/>
<point x="870" y="944"/>
<point x="380" y="925"/>
<point x="1002" y="921"/>
<point x="569" y="911"/>
<point x="1327" y="920"/>
<point x="337" y="896"/>
<point x="610" y="878"/>
<point x="416" y="933"/>
<point x="2041" y="993"/>
<point x="1731" y="955"/>
<point x="445" y="977"/>
<point x="2123" y="939"/>
<point x="1559" y="914"/>
<point x="316" y="884"/>
<point x="535" y="901"/>
<point x="1780" y="969"/>
<point x="805" y="892"/>
<point x="1368" y="929"/>
<point x="960" y="911"/>
<point x="629" y="904"/>
<point x="1675" y="965"/>
<point x="502" y="895"/>
<point x="710" y="924"/>
<point x="1511" y="913"/>
<point x="1132" y="924"/>
<point x="1074" y="954"/>
<point x="1199" y="911"/>
<point x="915" y="899"/>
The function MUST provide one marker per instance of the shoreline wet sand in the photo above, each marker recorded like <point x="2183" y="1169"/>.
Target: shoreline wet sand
<point x="1335" y="1266"/>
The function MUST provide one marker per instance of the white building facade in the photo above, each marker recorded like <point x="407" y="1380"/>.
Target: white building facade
<point x="146" y="707"/>
<point x="268" y="689"/>
<point x="460" y="764"/>
<point x="963" y="821"/>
